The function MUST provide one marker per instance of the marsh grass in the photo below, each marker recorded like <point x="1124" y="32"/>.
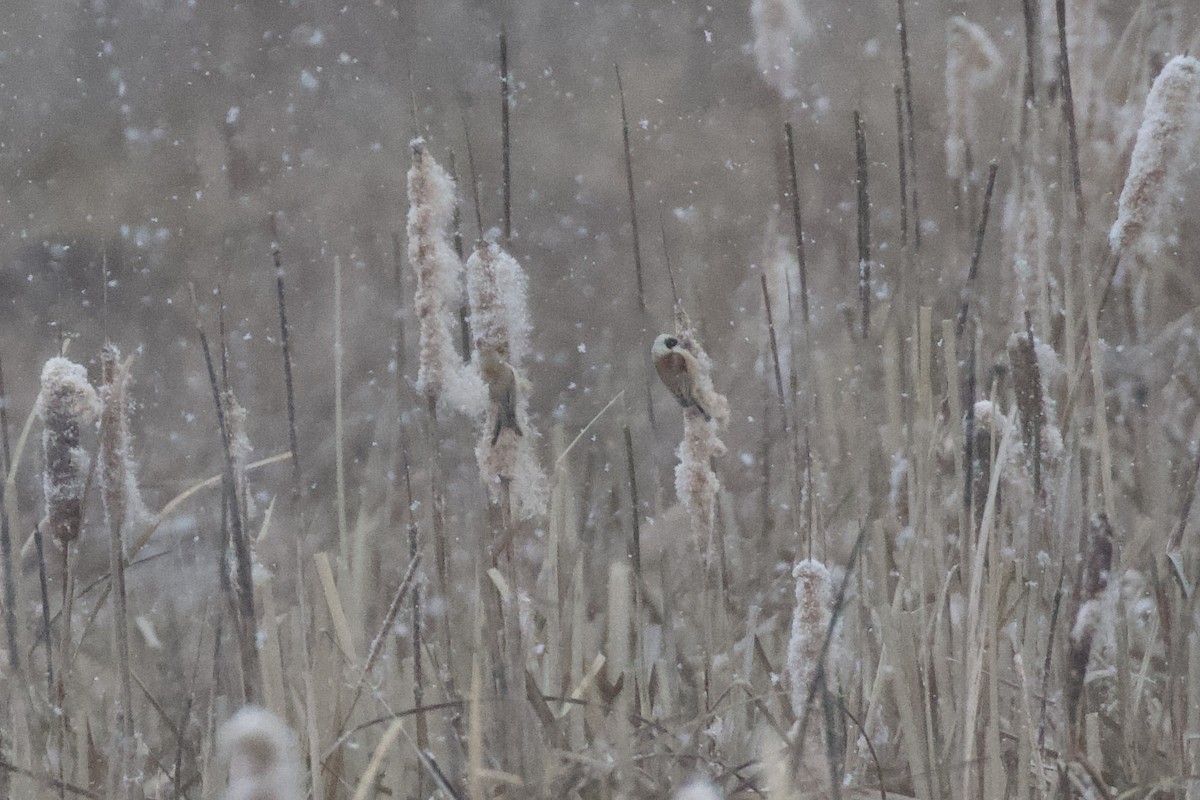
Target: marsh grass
<point x="937" y="542"/>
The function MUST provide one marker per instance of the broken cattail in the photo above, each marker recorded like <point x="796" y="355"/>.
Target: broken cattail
<point x="696" y="485"/>
<point x="1170" y="125"/>
<point x="66" y="404"/>
<point x="779" y="27"/>
<point x="972" y="64"/>
<point x="497" y="288"/>
<point x="1090" y="593"/>
<point x="431" y="195"/>
<point x="118" y="471"/>
<point x="810" y="625"/>
<point x="261" y="753"/>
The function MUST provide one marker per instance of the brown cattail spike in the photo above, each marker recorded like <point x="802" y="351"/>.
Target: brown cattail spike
<point x="67" y="403"/>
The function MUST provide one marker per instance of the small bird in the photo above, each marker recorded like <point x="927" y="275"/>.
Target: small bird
<point x="678" y="369"/>
<point x="501" y="380"/>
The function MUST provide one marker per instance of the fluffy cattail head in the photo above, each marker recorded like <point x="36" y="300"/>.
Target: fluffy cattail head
<point x="779" y="26"/>
<point x="67" y="403"/>
<point x="810" y="625"/>
<point x="498" y="289"/>
<point x="1170" y="126"/>
<point x="696" y="484"/>
<point x="972" y="64"/>
<point x="431" y="197"/>
<point x="261" y="753"/>
<point x="810" y="621"/>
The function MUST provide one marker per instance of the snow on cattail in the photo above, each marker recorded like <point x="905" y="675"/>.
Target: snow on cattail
<point x="779" y="27"/>
<point x="696" y="485"/>
<point x="1170" y="127"/>
<point x="498" y="289"/>
<point x="261" y="753"/>
<point x="441" y="375"/>
<point x="810" y="624"/>
<point x="122" y="498"/>
<point x="66" y="404"/>
<point x="810" y="621"/>
<point x="972" y="64"/>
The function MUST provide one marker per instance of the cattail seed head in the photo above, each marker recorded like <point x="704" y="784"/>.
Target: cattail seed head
<point x="1170" y="127"/>
<point x="261" y="753"/>
<point x="696" y="484"/>
<point x="498" y="288"/>
<point x="66" y="404"/>
<point x="431" y="196"/>
<point x="779" y="27"/>
<point x="972" y="64"/>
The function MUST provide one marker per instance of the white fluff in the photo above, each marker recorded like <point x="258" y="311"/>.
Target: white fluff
<point x="1168" y="132"/>
<point x="261" y="752"/>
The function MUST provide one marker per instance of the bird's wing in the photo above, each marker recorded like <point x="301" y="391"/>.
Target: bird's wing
<point x="673" y="369"/>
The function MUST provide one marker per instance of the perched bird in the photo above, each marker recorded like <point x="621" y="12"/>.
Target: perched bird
<point x="678" y="369"/>
<point x="501" y="380"/>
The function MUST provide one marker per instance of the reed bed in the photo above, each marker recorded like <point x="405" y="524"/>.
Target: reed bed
<point x="930" y="536"/>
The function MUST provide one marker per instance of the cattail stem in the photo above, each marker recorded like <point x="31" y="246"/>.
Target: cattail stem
<point x="248" y="627"/>
<point x="977" y="253"/>
<point x="45" y="590"/>
<point x="906" y="69"/>
<point x="771" y="334"/>
<point x="864" y="224"/>
<point x="505" y="133"/>
<point x="10" y="586"/>
<point x="902" y="165"/>
<point x="797" y="226"/>
<point x="1068" y="109"/>
<point x="285" y="342"/>
<point x="474" y="176"/>
<point x="633" y="220"/>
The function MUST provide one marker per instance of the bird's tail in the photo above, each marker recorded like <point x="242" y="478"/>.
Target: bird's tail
<point x="506" y="418"/>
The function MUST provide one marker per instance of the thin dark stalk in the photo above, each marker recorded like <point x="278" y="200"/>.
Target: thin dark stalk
<point x="864" y="224"/>
<point x="906" y="69"/>
<point x="969" y="393"/>
<point x="464" y="307"/>
<point x="667" y="259"/>
<point x="10" y="579"/>
<point x="902" y="162"/>
<point x="41" y="556"/>
<point x="474" y="176"/>
<point x="1029" y="12"/>
<point x="285" y="340"/>
<point x="797" y="226"/>
<point x="1068" y="108"/>
<point x="418" y="663"/>
<point x="248" y="629"/>
<point x="1058" y="597"/>
<point x="4" y="421"/>
<point x="977" y="253"/>
<point x="633" y="220"/>
<point x="10" y="585"/>
<point x="771" y="333"/>
<point x="505" y="132"/>
<point x="635" y="549"/>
